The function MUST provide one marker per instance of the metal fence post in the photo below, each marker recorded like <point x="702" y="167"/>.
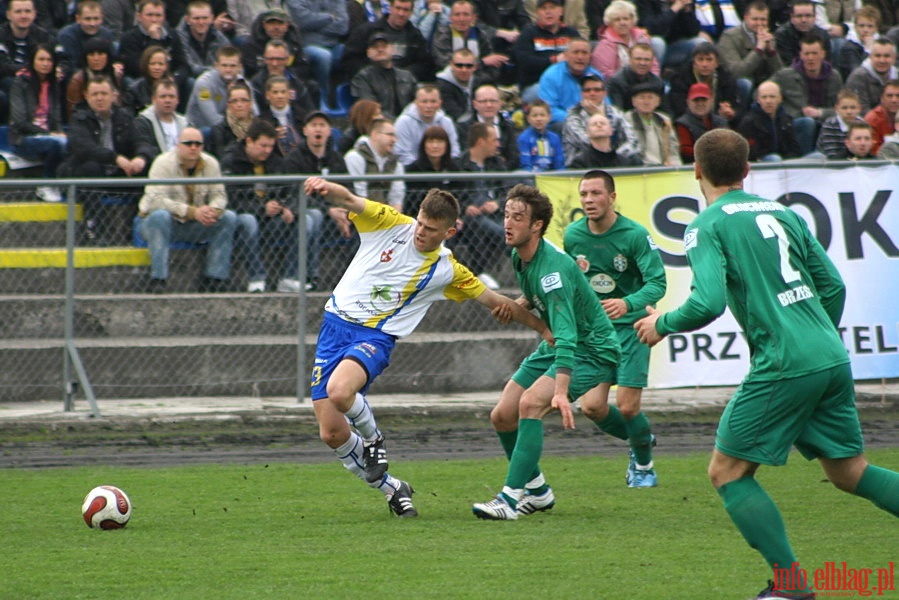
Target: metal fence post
<point x="71" y="358"/>
<point x="302" y="274"/>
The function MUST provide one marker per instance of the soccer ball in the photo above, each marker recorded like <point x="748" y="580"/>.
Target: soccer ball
<point x="106" y="507"/>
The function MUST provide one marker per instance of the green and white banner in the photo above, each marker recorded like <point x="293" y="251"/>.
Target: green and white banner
<point x="854" y="213"/>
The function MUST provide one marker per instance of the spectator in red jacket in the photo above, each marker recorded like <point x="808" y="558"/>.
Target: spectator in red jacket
<point x="881" y="117"/>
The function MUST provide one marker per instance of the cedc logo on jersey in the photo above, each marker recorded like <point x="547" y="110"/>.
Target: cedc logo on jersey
<point x="387" y="255"/>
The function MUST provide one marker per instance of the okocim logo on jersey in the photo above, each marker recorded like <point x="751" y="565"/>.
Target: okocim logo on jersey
<point x="838" y="580"/>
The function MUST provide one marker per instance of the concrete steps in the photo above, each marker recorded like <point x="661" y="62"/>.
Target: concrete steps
<point x="181" y="343"/>
<point x="254" y="365"/>
<point x="233" y="345"/>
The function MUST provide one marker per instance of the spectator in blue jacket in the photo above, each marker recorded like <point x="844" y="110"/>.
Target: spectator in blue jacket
<point x="560" y="84"/>
<point x="540" y="148"/>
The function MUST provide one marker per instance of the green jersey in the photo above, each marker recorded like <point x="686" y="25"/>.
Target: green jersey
<point x="759" y="258"/>
<point x="555" y="286"/>
<point x="623" y="263"/>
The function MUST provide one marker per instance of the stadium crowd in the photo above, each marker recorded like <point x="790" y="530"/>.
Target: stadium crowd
<point x="106" y="88"/>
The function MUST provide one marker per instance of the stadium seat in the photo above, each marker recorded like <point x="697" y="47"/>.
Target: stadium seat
<point x="344" y="102"/>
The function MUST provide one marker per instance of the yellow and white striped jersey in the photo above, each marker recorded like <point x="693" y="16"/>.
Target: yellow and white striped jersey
<point x="389" y="285"/>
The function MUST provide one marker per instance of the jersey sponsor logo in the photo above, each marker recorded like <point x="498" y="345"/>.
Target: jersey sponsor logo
<point x="602" y="283"/>
<point x="582" y="262"/>
<point x="550" y="282"/>
<point x="691" y="239"/>
<point x="652" y="243"/>
<point x="367" y="349"/>
<point x="620" y="263"/>
<point x="384" y="298"/>
<point x="387" y="255"/>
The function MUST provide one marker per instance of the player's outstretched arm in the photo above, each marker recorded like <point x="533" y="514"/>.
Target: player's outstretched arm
<point x="335" y="193"/>
<point x="494" y="301"/>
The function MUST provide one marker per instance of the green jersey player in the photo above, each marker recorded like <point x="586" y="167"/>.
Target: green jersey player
<point x="580" y="363"/>
<point x="759" y="258"/>
<point x="624" y="268"/>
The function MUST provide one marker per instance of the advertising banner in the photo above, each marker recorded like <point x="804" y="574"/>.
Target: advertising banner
<point x="854" y="213"/>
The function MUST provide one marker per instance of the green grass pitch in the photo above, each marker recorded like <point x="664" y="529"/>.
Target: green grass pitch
<point x="288" y="530"/>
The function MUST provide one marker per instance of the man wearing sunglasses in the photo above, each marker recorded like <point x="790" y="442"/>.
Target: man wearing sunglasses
<point x="457" y="83"/>
<point x="189" y="212"/>
<point x="463" y="31"/>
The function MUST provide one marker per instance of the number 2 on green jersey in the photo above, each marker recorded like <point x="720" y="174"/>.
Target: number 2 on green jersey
<point x="771" y="227"/>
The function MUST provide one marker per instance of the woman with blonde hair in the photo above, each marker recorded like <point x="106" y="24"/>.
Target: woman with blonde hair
<point x="616" y="37"/>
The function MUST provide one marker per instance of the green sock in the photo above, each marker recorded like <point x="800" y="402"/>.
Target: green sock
<point x="640" y="436"/>
<point x="507" y="439"/>
<point x="880" y="486"/>
<point x="758" y="519"/>
<point x="523" y="465"/>
<point x="614" y="424"/>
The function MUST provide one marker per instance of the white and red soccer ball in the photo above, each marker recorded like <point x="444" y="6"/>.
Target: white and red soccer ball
<point x="106" y="507"/>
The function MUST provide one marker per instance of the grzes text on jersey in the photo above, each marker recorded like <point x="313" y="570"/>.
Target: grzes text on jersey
<point x="795" y="295"/>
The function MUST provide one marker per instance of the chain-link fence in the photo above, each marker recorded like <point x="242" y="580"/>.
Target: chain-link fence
<point x="80" y="314"/>
<point x="82" y="303"/>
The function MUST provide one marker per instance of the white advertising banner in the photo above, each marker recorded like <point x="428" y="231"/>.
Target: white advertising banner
<point x="854" y="213"/>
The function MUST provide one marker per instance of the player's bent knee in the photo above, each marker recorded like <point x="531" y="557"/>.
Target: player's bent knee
<point x="333" y="437"/>
<point x="723" y="469"/>
<point x="629" y="411"/>
<point x="845" y="473"/>
<point x="532" y="407"/>
<point x="595" y="412"/>
<point x="342" y="397"/>
<point x="503" y="419"/>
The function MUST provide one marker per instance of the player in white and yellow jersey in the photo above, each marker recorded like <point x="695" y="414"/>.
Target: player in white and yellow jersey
<point x="400" y="269"/>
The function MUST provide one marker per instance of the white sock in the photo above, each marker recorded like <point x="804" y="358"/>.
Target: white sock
<point x="362" y="418"/>
<point x="644" y="467"/>
<point x="514" y="494"/>
<point x="388" y="485"/>
<point x="536" y="482"/>
<point x="350" y="454"/>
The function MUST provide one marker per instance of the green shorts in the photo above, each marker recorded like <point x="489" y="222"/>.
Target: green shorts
<point x="588" y="371"/>
<point x="815" y="412"/>
<point x="633" y="367"/>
